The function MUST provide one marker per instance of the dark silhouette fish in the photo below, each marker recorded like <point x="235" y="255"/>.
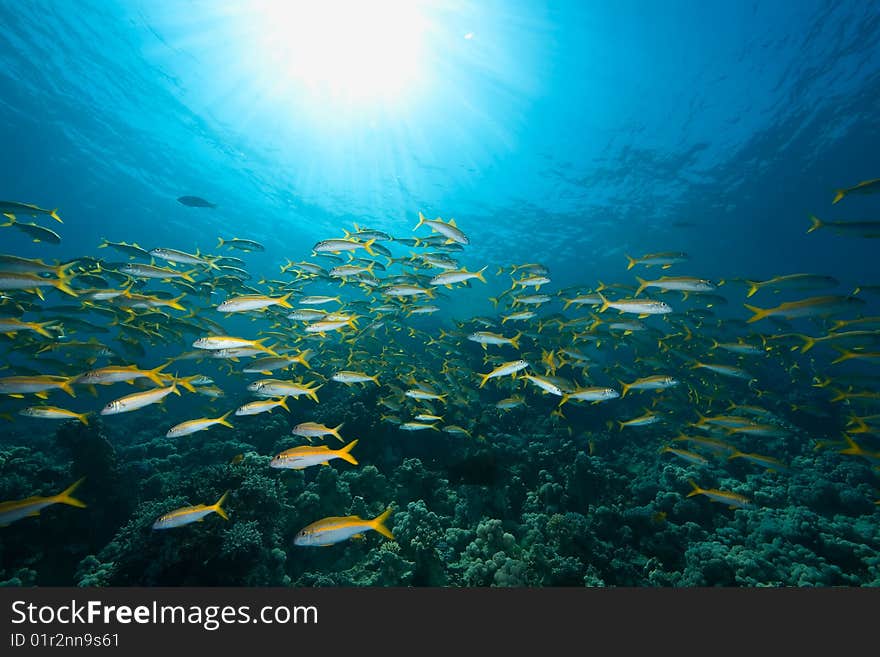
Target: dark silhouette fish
<point x="196" y="202"/>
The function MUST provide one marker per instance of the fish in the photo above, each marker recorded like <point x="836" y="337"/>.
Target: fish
<point x="282" y="388"/>
<point x="657" y="382"/>
<point x="732" y="500"/>
<point x="150" y="271"/>
<point x="511" y="367"/>
<point x="343" y="376"/>
<point x="340" y="245"/>
<point x="318" y="300"/>
<point x="132" y="250"/>
<point x="31" y="281"/>
<point x="54" y="413"/>
<point x="262" y="406"/>
<point x="417" y="426"/>
<point x="677" y="283"/>
<point x="864" y="187"/>
<point x="315" y="430"/>
<point x="11" y="209"/>
<point x="191" y="426"/>
<point x="793" y="281"/>
<point x="812" y="307"/>
<point x="865" y="228"/>
<point x="121" y="373"/>
<point x="266" y="365"/>
<point x="457" y="276"/>
<point x="635" y="306"/>
<point x="484" y="338"/>
<point x="188" y="514"/>
<point x="195" y="202"/>
<point x="299" y="458"/>
<point x="724" y="370"/>
<point x="12" y="325"/>
<point x="36" y="232"/>
<point x="665" y="260"/>
<point x="691" y="457"/>
<point x="764" y="461"/>
<point x="31" y="506"/>
<point x="641" y="421"/>
<point x="240" y="244"/>
<point x="39" y="385"/>
<point x="544" y="384"/>
<point x="253" y="302"/>
<point x="139" y="400"/>
<point x="448" y="229"/>
<point x="214" y="342"/>
<point x="330" y="531"/>
<point x="593" y="394"/>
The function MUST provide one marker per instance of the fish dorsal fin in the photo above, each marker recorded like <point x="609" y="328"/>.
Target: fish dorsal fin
<point x="452" y="222"/>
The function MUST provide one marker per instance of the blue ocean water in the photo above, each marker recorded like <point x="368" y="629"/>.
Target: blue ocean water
<point x="570" y="134"/>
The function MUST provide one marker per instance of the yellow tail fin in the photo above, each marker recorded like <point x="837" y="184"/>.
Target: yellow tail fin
<point x="345" y="453"/>
<point x="64" y="497"/>
<point x="815" y="223"/>
<point x="335" y="432"/>
<point x="753" y="287"/>
<point x="83" y="417"/>
<point x="838" y="194"/>
<point x="760" y="313"/>
<point x="153" y="375"/>
<point x="65" y="386"/>
<point x="222" y="420"/>
<point x="632" y="262"/>
<point x="218" y="506"/>
<point x="54" y="215"/>
<point x="642" y="285"/>
<point x="283" y="404"/>
<point x="421" y="221"/>
<point x="378" y="524"/>
<point x="696" y="489"/>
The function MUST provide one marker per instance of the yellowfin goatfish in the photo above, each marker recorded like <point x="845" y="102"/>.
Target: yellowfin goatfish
<point x="732" y="500"/>
<point x="659" y="382"/>
<point x="191" y="426"/>
<point x="504" y="369"/>
<point x="31" y="281"/>
<point x="188" y="514"/>
<point x="13" y="208"/>
<point x="338" y="245"/>
<point x="635" y="307"/>
<point x="665" y="260"/>
<point x="335" y="530"/>
<point x="484" y="338"/>
<point x="315" y="430"/>
<point x="36" y="232"/>
<point x="53" y="413"/>
<point x="595" y="395"/>
<point x="120" y="373"/>
<point x="864" y="187"/>
<point x="138" y="400"/>
<point x="282" y="388"/>
<point x="805" y="308"/>
<point x="13" y="325"/>
<point x="241" y="244"/>
<point x="262" y="406"/>
<point x="450" y="277"/>
<point x="853" y="228"/>
<point x="447" y="229"/>
<point x="214" y="342"/>
<point x="299" y="458"/>
<point x="676" y="283"/>
<point x="252" y="302"/>
<point x="31" y="506"/>
<point x="346" y="377"/>
<point x="18" y="385"/>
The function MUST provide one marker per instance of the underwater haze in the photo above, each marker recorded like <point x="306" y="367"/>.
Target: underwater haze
<point x="465" y="293"/>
